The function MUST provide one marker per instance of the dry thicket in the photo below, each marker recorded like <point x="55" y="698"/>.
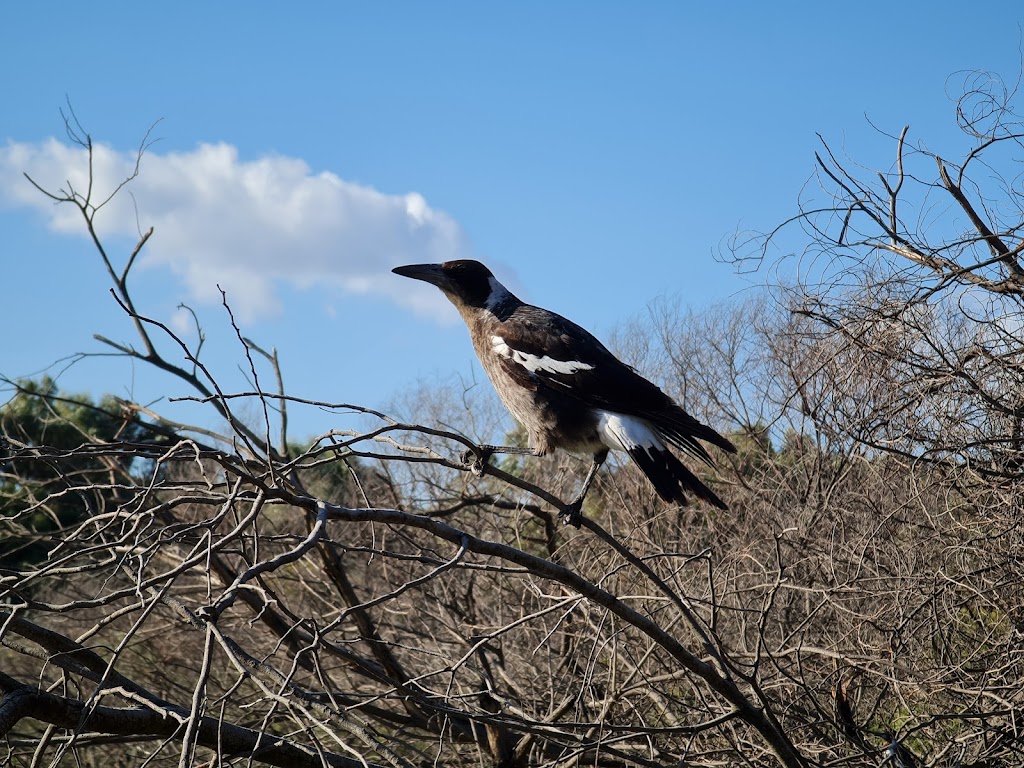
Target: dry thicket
<point x="174" y="595"/>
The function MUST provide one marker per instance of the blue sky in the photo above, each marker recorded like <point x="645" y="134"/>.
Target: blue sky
<point x="594" y="154"/>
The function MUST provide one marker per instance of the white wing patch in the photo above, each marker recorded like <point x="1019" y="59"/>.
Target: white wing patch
<point x="533" y="364"/>
<point x="626" y="433"/>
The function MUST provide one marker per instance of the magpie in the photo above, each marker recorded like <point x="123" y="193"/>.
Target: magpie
<point x="568" y="391"/>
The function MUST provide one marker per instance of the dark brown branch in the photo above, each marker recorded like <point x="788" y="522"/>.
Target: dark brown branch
<point x="994" y="242"/>
<point x="22" y="701"/>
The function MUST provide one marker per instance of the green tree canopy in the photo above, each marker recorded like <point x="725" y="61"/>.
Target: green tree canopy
<point x="53" y="470"/>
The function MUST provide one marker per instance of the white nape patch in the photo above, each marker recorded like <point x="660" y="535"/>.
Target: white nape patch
<point x="498" y="294"/>
<point x="626" y="433"/>
<point x="533" y="364"/>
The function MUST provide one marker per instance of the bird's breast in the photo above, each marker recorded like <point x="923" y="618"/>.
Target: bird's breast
<point x="551" y="419"/>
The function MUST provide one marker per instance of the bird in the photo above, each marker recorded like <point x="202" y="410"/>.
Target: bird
<point x="569" y="391"/>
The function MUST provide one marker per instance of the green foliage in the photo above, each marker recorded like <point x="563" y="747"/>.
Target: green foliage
<point x="329" y="476"/>
<point x="47" y="481"/>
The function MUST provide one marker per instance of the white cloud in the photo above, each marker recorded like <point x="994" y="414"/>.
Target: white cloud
<point x="244" y="225"/>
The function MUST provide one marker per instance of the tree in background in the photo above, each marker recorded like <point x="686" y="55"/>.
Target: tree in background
<point x="913" y="274"/>
<point x="901" y="331"/>
<point x="46" y="498"/>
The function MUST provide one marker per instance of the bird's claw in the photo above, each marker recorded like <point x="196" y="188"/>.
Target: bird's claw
<point x="476" y="459"/>
<point x="571" y="515"/>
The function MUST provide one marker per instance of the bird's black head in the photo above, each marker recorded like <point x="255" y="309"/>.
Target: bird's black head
<point x="464" y="281"/>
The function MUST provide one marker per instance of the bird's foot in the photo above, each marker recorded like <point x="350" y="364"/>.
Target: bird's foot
<point x="571" y="514"/>
<point x="476" y="459"/>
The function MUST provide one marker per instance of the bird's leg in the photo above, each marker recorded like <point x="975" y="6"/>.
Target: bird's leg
<point x="478" y="457"/>
<point x="571" y="514"/>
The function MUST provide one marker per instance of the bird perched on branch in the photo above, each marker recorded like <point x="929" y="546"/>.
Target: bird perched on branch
<point x="568" y="390"/>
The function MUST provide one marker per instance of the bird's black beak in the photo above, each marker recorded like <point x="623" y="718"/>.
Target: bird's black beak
<point x="430" y="273"/>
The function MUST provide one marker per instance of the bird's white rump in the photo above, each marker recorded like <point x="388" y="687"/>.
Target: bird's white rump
<point x="626" y="433"/>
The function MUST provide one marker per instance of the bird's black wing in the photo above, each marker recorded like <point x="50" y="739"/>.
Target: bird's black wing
<point x="539" y="348"/>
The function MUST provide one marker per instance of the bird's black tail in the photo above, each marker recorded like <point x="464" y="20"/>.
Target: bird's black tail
<point x="683" y="431"/>
<point x="670" y="478"/>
